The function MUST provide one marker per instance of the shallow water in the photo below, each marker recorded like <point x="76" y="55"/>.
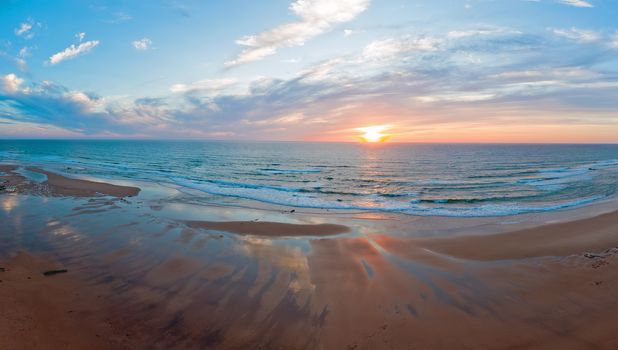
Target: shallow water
<point x="417" y="179"/>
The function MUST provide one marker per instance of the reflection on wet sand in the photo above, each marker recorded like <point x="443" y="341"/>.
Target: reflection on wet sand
<point x="270" y="229"/>
<point x="157" y="282"/>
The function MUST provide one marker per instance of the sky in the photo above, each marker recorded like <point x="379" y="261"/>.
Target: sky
<point x="311" y="70"/>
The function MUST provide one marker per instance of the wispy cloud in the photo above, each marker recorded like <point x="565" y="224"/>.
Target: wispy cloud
<point x="613" y="42"/>
<point x="207" y="85"/>
<point x="416" y="82"/>
<point x="26" y="29"/>
<point x="23" y="29"/>
<point x="579" y="35"/>
<point x="316" y="17"/>
<point x="142" y="44"/>
<point x="459" y="34"/>
<point x="388" y="49"/>
<point x="73" y="51"/>
<point x="576" y="3"/>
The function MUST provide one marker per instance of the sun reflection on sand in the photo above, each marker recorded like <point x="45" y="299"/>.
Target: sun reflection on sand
<point x="9" y="203"/>
<point x="272" y="256"/>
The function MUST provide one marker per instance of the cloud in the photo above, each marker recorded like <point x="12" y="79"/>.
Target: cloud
<point x="24" y="52"/>
<point x="206" y="85"/>
<point x="49" y="104"/>
<point x="613" y="42"/>
<point x="25" y="29"/>
<point x="142" y="44"/>
<point x="290" y="60"/>
<point x="22" y="64"/>
<point x="579" y="35"/>
<point x="316" y="17"/>
<point x="423" y="83"/>
<point x="576" y="3"/>
<point x="459" y="34"/>
<point x="80" y="36"/>
<point x="388" y="49"/>
<point x="11" y="83"/>
<point x="73" y="51"/>
<point x="21" y="58"/>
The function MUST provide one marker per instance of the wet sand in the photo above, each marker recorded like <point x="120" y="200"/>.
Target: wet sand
<point x="588" y="235"/>
<point x="270" y="229"/>
<point x="65" y="186"/>
<point x="50" y="312"/>
<point x="138" y="278"/>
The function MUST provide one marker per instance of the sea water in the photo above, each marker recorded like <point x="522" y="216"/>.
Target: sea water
<point x="415" y="179"/>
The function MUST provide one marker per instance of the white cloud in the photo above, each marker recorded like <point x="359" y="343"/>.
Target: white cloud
<point x="579" y="35"/>
<point x="290" y="60"/>
<point x="22" y="64"/>
<point x="317" y="17"/>
<point x="390" y="48"/>
<point x="20" y="60"/>
<point x="456" y="97"/>
<point x="73" y="51"/>
<point x="293" y="118"/>
<point x="613" y="43"/>
<point x="142" y="44"/>
<point x="24" y="52"/>
<point x="11" y="83"/>
<point x="576" y="3"/>
<point x="347" y="32"/>
<point x="23" y="29"/>
<point x="80" y="36"/>
<point x="87" y="102"/>
<point x="26" y="29"/>
<point x="458" y="34"/>
<point x="212" y="85"/>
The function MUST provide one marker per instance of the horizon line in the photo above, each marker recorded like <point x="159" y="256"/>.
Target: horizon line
<point x="305" y="141"/>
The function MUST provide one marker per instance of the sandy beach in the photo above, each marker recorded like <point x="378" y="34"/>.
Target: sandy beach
<point x="143" y="273"/>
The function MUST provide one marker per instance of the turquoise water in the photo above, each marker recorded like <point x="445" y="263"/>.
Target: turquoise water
<point x="415" y="179"/>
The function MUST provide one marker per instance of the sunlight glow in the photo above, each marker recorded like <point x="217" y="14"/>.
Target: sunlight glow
<point x="374" y="133"/>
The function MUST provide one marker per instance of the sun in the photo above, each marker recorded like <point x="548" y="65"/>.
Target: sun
<point x="374" y="133"/>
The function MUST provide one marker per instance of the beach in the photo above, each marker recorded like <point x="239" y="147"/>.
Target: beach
<point x="144" y="269"/>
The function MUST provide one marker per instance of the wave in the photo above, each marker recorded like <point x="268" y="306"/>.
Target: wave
<point x="440" y="192"/>
<point x="501" y="209"/>
<point x="289" y="171"/>
<point x="372" y="203"/>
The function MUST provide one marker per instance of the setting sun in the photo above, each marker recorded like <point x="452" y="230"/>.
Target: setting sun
<point x="374" y="133"/>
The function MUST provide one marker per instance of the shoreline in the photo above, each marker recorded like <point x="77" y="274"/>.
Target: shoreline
<point x="153" y="269"/>
<point x="509" y="210"/>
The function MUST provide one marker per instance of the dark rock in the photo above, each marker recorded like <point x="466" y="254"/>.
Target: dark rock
<point x="293" y="210"/>
<point x="54" y="272"/>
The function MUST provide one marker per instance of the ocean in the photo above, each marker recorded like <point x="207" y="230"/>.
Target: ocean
<point x="463" y="180"/>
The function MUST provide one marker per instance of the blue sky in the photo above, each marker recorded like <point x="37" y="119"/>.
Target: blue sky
<point x="440" y="70"/>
